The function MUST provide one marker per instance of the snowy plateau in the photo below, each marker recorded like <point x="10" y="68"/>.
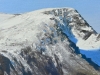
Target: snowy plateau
<point x="53" y="41"/>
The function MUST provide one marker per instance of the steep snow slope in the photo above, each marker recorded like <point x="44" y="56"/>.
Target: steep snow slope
<point x="43" y="42"/>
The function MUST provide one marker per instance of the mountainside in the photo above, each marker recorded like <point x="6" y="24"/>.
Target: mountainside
<point x="48" y="42"/>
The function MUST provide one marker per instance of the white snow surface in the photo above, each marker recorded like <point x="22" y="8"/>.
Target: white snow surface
<point x="19" y="31"/>
<point x="16" y="30"/>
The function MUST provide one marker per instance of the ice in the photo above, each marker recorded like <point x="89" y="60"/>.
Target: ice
<point x="93" y="54"/>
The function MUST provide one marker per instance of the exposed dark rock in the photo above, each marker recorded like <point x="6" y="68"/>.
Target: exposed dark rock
<point x="51" y="52"/>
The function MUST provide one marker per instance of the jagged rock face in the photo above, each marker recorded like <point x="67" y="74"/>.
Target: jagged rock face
<point x="41" y="43"/>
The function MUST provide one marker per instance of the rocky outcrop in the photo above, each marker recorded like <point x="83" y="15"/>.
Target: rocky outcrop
<point x="48" y="50"/>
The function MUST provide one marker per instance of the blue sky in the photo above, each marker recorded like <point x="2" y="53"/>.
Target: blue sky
<point x="89" y="9"/>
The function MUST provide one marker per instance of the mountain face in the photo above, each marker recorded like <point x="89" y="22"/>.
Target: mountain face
<point x="47" y="42"/>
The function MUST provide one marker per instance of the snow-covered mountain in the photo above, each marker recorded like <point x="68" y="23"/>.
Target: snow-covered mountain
<point x="48" y="42"/>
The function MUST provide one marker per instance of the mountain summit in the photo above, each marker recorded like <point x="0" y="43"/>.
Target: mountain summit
<point x="47" y="42"/>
